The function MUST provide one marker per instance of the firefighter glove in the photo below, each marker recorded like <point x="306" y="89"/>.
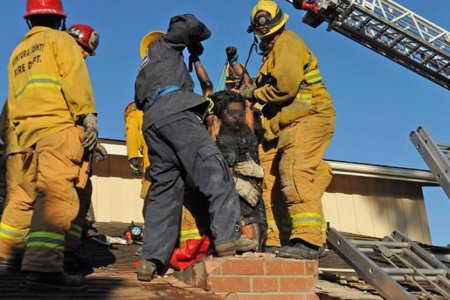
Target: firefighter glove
<point x="247" y="191"/>
<point x="247" y="89"/>
<point x="232" y="55"/>
<point x="136" y="166"/>
<point x="99" y="153"/>
<point x="249" y="168"/>
<point x="90" y="131"/>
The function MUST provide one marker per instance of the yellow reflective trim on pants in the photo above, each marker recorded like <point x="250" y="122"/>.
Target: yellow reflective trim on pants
<point x="272" y="225"/>
<point x="44" y="245"/>
<point x="12" y="233"/>
<point x="45" y="234"/>
<point x="38" y="81"/>
<point x="75" y="231"/>
<point x="13" y="229"/>
<point x="307" y="219"/>
<point x="12" y="238"/>
<point x="189" y="234"/>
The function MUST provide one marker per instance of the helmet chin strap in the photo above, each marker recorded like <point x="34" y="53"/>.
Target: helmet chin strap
<point x="63" y="25"/>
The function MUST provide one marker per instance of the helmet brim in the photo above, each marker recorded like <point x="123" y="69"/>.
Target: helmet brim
<point x="148" y="39"/>
<point x="274" y="28"/>
<point x="45" y="11"/>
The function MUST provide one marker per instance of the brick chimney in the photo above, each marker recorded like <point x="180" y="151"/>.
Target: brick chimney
<point x="258" y="276"/>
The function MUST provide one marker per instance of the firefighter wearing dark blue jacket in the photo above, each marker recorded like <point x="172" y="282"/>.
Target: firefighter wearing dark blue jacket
<point x="180" y="148"/>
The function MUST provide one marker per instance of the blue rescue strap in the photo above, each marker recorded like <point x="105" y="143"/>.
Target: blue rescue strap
<point x="160" y="93"/>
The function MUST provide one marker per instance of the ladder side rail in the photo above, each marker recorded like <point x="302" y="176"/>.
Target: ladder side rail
<point x="372" y="273"/>
<point x="436" y="161"/>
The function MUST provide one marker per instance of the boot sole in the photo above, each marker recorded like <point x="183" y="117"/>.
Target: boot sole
<point x="40" y="286"/>
<point x="285" y="255"/>
<point x="226" y="253"/>
<point x="249" y="248"/>
<point x="146" y="278"/>
<point x="9" y="269"/>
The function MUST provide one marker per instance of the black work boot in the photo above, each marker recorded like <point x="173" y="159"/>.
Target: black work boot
<point x="272" y="249"/>
<point x="242" y="244"/>
<point x="299" y="250"/>
<point x="9" y="265"/>
<point x="60" y="281"/>
<point x="147" y="270"/>
<point x="74" y="262"/>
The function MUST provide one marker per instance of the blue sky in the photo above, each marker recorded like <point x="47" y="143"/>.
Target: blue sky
<point x="377" y="101"/>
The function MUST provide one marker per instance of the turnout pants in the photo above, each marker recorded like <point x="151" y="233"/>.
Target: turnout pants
<point x="18" y="209"/>
<point x="73" y="237"/>
<point x="181" y="147"/>
<point x="295" y="180"/>
<point x="50" y="169"/>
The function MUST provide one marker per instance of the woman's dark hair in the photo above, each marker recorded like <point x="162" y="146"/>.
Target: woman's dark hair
<point x="222" y="99"/>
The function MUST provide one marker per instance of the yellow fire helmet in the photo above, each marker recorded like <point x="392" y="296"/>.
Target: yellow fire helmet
<point x="266" y="18"/>
<point x="148" y="39"/>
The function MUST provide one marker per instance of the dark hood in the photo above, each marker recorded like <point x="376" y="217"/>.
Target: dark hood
<point x="185" y="30"/>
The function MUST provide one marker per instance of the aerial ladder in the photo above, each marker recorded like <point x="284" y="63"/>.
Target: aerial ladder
<point x="389" y="29"/>
<point x="423" y="47"/>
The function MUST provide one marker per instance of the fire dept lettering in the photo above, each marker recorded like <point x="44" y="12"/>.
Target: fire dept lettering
<point x="31" y="55"/>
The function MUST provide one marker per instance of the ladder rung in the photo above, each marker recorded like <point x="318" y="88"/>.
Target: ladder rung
<point x="364" y="23"/>
<point x="443" y="67"/>
<point x="384" y="243"/>
<point x="381" y="32"/>
<point x="371" y="250"/>
<point x="400" y="278"/>
<point x="406" y="271"/>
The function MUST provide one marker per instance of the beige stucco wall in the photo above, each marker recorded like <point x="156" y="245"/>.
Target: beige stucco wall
<point x="376" y="207"/>
<point x="357" y="201"/>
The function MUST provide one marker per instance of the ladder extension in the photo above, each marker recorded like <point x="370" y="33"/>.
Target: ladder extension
<point x="391" y="30"/>
<point x="436" y="156"/>
<point x="399" y="261"/>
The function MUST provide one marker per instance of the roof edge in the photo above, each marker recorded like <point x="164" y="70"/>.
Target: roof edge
<point x="118" y="147"/>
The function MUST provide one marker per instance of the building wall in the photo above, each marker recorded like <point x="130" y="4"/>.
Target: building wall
<point x="376" y="207"/>
<point x="354" y="204"/>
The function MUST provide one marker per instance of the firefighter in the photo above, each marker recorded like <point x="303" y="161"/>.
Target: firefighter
<point x="180" y="147"/>
<point x="298" y="118"/>
<point x="137" y="148"/>
<point x="49" y="94"/>
<point x="88" y="40"/>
